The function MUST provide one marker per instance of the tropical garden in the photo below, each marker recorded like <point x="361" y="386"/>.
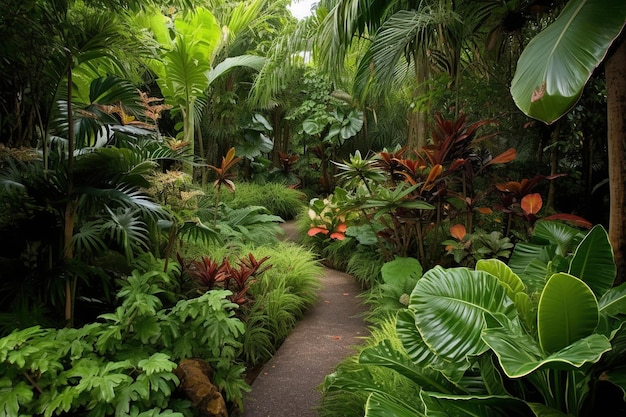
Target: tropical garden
<point x="463" y="160"/>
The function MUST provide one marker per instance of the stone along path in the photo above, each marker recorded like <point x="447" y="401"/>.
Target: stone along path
<point x="287" y="386"/>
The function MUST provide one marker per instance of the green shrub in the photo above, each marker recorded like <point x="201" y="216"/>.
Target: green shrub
<point x="281" y="296"/>
<point x="124" y="363"/>
<point x="278" y="199"/>
<point x="364" y="264"/>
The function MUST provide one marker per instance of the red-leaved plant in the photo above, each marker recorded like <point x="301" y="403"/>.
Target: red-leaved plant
<point x="210" y="275"/>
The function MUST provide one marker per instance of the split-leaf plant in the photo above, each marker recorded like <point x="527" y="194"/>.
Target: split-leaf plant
<point x="491" y="342"/>
<point x="123" y="364"/>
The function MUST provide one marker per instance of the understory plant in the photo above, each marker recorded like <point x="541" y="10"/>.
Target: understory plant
<point x="123" y="364"/>
<point x="278" y="199"/>
<point x="400" y="203"/>
<point x="493" y="342"/>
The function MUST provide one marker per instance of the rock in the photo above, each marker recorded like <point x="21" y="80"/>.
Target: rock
<point x="195" y="381"/>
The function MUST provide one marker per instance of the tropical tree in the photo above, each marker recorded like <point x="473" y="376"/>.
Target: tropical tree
<point x="406" y="38"/>
<point x="552" y="72"/>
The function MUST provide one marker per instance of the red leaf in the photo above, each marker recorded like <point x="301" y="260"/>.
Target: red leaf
<point x="532" y="203"/>
<point x="571" y="218"/>
<point x="338" y="236"/>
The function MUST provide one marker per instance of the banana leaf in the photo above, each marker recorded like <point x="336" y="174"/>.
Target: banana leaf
<point x="555" y="66"/>
<point x="567" y="312"/>
<point x="593" y="261"/>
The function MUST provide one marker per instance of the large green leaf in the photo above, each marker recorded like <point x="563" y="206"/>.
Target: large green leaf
<point x="384" y="354"/>
<point x="520" y="355"/>
<point x="379" y="405"/>
<point x="450" y="308"/>
<point x="562" y="235"/>
<point x="420" y="353"/>
<point x="593" y="261"/>
<point x="505" y="275"/>
<point x="567" y="312"/>
<point x="446" y="405"/>
<point x="400" y="274"/>
<point x="613" y="302"/>
<point x="249" y="61"/>
<point x="529" y="261"/>
<point x="556" y="64"/>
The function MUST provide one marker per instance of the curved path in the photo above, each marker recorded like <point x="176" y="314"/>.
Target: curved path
<point x="287" y="386"/>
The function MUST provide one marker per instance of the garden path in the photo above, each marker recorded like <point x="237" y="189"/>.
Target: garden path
<point x="287" y="386"/>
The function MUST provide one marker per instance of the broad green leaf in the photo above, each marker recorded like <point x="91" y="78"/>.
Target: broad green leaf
<point x="505" y="275"/>
<point x="450" y="308"/>
<point x="439" y="404"/>
<point x="562" y="235"/>
<point x="567" y="312"/>
<point x="312" y="126"/>
<point x="542" y="410"/>
<point x="384" y="354"/>
<point x="555" y="66"/>
<point x="491" y="376"/>
<point x="613" y="302"/>
<point x="249" y="61"/>
<point x="520" y="355"/>
<point x="379" y="405"/>
<point x="401" y="273"/>
<point x="529" y="261"/>
<point x="593" y="261"/>
<point x="419" y="352"/>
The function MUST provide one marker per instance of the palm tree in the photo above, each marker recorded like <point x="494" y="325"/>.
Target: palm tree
<point x="398" y="43"/>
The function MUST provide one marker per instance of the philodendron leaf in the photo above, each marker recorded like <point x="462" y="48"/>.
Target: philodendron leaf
<point x="567" y="312"/>
<point x="593" y="261"/>
<point x="401" y="271"/>
<point x="542" y="410"/>
<point x="384" y="354"/>
<point x="520" y="355"/>
<point x="505" y="275"/>
<point x="613" y="302"/>
<point x="420" y="353"/>
<point x="379" y="405"/>
<point x="450" y="308"/>
<point x="556" y="64"/>
<point x="446" y="405"/>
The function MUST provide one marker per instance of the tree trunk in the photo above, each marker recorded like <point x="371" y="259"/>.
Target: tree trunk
<point x="615" y="70"/>
<point x="418" y="117"/>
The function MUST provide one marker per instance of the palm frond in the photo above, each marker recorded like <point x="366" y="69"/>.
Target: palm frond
<point x="283" y="59"/>
<point x="196" y="231"/>
<point x="88" y="239"/>
<point x="127" y="229"/>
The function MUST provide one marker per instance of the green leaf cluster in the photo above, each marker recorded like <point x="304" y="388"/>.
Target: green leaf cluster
<point x="123" y="364"/>
<point x="491" y="342"/>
